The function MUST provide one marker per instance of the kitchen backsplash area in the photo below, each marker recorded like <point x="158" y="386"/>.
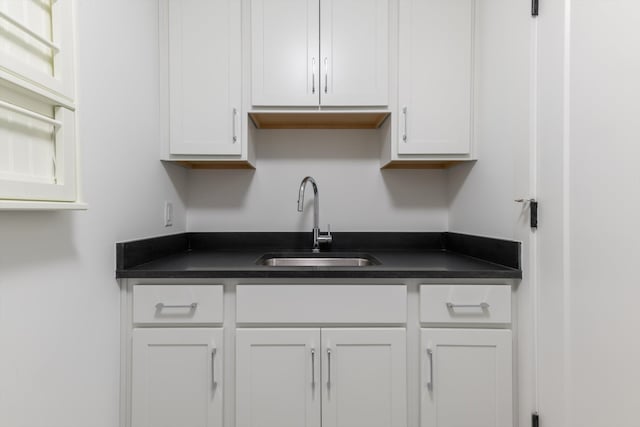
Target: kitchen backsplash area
<point x="355" y="194"/>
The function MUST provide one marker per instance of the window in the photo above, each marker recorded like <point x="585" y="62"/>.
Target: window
<point x="38" y="156"/>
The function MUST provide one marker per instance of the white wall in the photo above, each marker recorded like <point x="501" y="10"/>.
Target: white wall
<point x="59" y="301"/>
<point x="354" y="194"/>
<point x="482" y="194"/>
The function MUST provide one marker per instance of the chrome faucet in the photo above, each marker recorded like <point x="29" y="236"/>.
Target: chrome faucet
<point x="318" y="236"/>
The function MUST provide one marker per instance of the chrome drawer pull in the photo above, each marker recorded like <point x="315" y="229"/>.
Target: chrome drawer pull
<point x="191" y="306"/>
<point x="482" y="305"/>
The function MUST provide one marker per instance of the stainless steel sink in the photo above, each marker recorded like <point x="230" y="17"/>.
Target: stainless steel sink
<point x="317" y="260"/>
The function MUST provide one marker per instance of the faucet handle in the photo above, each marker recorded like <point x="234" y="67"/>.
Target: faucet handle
<point x="325" y="238"/>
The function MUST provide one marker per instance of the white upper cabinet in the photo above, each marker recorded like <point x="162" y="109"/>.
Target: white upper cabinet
<point x="201" y="87"/>
<point x="436" y="75"/>
<point x="285" y="36"/>
<point x="319" y="52"/>
<point x="354" y="46"/>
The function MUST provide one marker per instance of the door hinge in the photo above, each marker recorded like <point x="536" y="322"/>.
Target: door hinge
<point x="533" y="218"/>
<point x="534" y="7"/>
<point x="535" y="419"/>
<point x="533" y="211"/>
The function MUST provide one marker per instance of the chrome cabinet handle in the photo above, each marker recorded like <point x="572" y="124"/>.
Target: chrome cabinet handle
<point x="234" y="135"/>
<point x="482" y="305"/>
<point x="313" y="75"/>
<point x="326" y="75"/>
<point x="430" y="371"/>
<point x="313" y="368"/>
<point x="213" y="366"/>
<point x="191" y="306"/>
<point x="404" y="115"/>
<point x="328" y="367"/>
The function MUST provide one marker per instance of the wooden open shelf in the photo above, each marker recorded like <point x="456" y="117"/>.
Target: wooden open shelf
<point x="318" y="119"/>
<point x="421" y="164"/>
<point x="215" y="164"/>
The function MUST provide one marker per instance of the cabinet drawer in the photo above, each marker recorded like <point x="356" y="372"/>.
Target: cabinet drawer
<point x="322" y="304"/>
<point x="465" y="304"/>
<point x="177" y="304"/>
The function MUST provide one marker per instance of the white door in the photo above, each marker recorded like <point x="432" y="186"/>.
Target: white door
<point x="364" y="377"/>
<point x="177" y="377"/>
<point x="436" y="71"/>
<point x="588" y="240"/>
<point x="354" y="51"/>
<point x="204" y="41"/>
<point x="278" y="378"/>
<point x="284" y="52"/>
<point x="466" y="378"/>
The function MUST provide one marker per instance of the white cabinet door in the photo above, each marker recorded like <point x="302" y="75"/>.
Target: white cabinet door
<point x="364" y="377"/>
<point x="202" y="39"/>
<point x="466" y="378"/>
<point x="284" y="52"/>
<point x="354" y="50"/>
<point x="319" y="52"/>
<point x="177" y="377"/>
<point x="278" y="378"/>
<point x="436" y="62"/>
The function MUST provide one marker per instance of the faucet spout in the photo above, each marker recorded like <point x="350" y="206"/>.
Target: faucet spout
<point x="318" y="236"/>
<point x="316" y="205"/>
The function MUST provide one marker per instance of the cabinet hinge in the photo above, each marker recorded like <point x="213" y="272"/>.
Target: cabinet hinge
<point x="535" y="419"/>
<point x="534" y="7"/>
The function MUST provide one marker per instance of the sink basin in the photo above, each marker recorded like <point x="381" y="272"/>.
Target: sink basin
<point x="317" y="260"/>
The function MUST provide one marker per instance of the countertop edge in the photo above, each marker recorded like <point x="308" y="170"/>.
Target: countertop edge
<point x="308" y="274"/>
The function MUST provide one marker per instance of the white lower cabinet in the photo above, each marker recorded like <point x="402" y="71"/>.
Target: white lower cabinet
<point x="364" y="377"/>
<point x="278" y="377"/>
<point x="177" y="377"/>
<point x="466" y="378"/>
<point x="317" y="355"/>
<point x="321" y="377"/>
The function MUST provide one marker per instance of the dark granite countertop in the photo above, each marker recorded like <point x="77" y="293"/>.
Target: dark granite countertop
<point x="401" y="255"/>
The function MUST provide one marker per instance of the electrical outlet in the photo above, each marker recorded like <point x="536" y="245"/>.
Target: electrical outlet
<point x="168" y="214"/>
